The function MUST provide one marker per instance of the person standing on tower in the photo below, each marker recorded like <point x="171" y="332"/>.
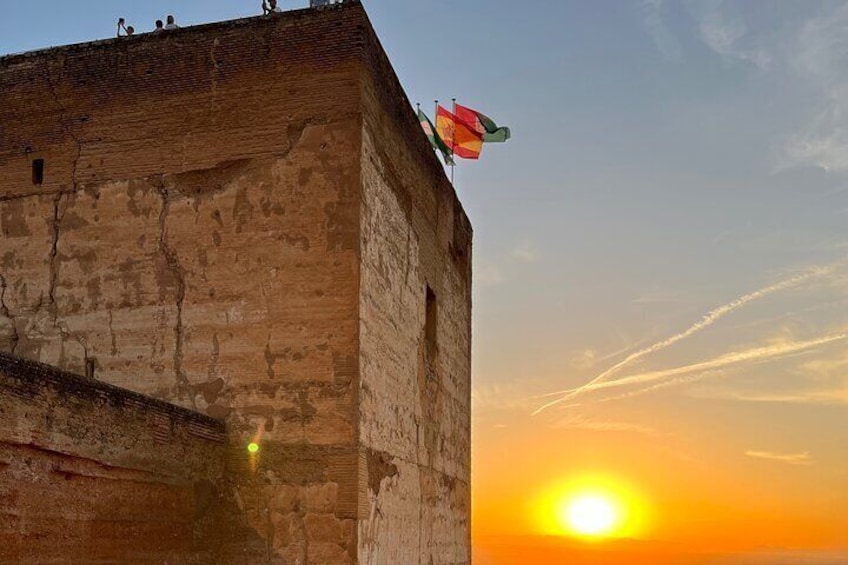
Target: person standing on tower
<point x="171" y="23"/>
<point x="122" y="26"/>
<point x="270" y="7"/>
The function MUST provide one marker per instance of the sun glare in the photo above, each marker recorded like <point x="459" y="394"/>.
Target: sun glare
<point x="592" y="508"/>
<point x="590" y="515"/>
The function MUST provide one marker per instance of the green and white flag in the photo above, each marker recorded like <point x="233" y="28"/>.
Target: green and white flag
<point x="435" y="140"/>
<point x="483" y="124"/>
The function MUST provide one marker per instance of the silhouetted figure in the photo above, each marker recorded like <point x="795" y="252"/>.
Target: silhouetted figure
<point x="160" y="27"/>
<point x="272" y="7"/>
<point x="171" y="23"/>
<point x="122" y="26"/>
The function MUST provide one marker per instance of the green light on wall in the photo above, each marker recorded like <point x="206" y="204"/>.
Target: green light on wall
<point x="253" y="447"/>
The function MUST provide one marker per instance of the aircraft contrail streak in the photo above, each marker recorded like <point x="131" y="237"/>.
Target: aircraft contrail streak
<point x="756" y="354"/>
<point x="708" y="320"/>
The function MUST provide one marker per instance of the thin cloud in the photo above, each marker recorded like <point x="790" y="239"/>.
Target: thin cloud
<point x="708" y="320"/>
<point x="723" y="38"/>
<point x="658" y="298"/>
<point x="489" y="275"/>
<point x="585" y="359"/>
<point x="788" y="458"/>
<point x="820" y="58"/>
<point x="824" y="143"/>
<point x="833" y="397"/>
<point x="587" y="424"/>
<point x="588" y="358"/>
<point x="525" y="253"/>
<point x="492" y="398"/>
<point x="654" y="24"/>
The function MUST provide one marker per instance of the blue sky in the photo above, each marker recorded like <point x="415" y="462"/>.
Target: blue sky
<point x="668" y="158"/>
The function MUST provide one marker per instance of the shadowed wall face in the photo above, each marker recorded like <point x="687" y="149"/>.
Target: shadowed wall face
<point x="196" y="236"/>
<point x="90" y="472"/>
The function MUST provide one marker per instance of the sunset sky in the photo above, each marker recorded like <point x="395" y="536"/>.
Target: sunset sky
<point x="673" y="205"/>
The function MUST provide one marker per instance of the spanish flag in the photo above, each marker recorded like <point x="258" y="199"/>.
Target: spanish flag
<point x="464" y="141"/>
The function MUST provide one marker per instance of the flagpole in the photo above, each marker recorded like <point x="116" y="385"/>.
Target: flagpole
<point x="453" y="141"/>
<point x="436" y="117"/>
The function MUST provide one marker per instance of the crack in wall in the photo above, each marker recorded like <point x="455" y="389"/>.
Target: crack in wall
<point x="114" y="343"/>
<point x="182" y="385"/>
<point x="4" y="310"/>
<point x="54" y="252"/>
<point x="58" y="214"/>
<point x="59" y="208"/>
<point x="64" y="124"/>
<point x="68" y="335"/>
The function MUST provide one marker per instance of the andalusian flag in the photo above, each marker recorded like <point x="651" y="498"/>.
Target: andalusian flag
<point x="482" y="124"/>
<point x="435" y="140"/>
<point x="464" y="141"/>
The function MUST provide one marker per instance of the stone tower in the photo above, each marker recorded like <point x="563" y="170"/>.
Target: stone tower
<point x="244" y="219"/>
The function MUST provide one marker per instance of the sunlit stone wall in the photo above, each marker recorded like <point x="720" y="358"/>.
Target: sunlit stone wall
<point x="218" y="208"/>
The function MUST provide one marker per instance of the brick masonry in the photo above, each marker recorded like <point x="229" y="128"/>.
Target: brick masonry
<point x="87" y="469"/>
<point x="242" y="219"/>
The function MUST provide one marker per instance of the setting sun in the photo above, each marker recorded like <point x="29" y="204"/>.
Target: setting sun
<point x="592" y="507"/>
<point x="590" y="515"/>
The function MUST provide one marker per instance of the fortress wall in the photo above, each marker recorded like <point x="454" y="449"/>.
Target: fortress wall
<point x="158" y="103"/>
<point x="243" y="219"/>
<point x="196" y="238"/>
<point x="120" y="477"/>
<point x="414" y="399"/>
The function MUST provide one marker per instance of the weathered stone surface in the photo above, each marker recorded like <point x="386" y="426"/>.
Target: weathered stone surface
<point x="414" y="409"/>
<point x="243" y="219"/>
<point x="87" y="469"/>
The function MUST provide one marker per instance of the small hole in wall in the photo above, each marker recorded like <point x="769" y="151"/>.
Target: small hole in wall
<point x="38" y="171"/>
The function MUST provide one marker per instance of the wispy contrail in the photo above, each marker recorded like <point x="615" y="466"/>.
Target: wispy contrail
<point x="686" y="379"/>
<point x="749" y="355"/>
<point x="708" y="320"/>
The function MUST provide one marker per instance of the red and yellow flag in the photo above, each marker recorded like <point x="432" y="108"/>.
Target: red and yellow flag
<point x="464" y="141"/>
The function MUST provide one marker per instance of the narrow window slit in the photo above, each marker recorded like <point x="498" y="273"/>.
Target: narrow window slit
<point x="430" y="323"/>
<point x="38" y="171"/>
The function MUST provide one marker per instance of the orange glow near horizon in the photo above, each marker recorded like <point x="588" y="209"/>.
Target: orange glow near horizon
<point x="591" y="507"/>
